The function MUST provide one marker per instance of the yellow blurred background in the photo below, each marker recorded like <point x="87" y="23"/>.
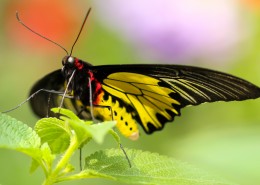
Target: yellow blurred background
<point x="221" y="138"/>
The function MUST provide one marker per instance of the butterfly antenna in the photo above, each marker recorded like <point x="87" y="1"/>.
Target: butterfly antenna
<point x="21" y="22"/>
<point x="82" y="26"/>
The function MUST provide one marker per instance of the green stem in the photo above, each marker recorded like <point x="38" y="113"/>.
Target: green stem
<point x="78" y="176"/>
<point x="52" y="177"/>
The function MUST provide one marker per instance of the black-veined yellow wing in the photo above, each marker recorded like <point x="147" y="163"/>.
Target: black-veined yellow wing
<point x="158" y="92"/>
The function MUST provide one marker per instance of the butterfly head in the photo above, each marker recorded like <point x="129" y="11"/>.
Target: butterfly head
<point x="71" y="64"/>
<point x="75" y="72"/>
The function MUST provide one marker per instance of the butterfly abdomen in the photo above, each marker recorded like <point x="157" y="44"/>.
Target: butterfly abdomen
<point x="111" y="109"/>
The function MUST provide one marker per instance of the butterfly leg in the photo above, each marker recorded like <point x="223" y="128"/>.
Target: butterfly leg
<point x="33" y="95"/>
<point x="126" y="156"/>
<point x="115" y="135"/>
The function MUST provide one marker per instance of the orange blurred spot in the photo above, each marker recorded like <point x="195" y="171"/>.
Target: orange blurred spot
<point x="252" y="4"/>
<point x="57" y="20"/>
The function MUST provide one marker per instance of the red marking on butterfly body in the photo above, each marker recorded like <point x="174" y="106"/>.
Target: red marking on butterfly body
<point x="98" y="88"/>
<point x="78" y="64"/>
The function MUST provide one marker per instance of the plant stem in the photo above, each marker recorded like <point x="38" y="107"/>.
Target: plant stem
<point x="53" y="176"/>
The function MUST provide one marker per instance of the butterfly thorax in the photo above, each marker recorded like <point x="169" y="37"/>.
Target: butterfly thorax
<point x="79" y="77"/>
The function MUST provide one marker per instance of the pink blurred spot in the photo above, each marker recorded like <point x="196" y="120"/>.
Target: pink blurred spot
<point x="177" y="31"/>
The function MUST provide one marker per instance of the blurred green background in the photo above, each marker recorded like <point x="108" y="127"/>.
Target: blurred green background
<point x="221" y="138"/>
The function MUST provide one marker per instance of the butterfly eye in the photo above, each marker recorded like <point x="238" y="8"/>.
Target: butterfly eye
<point x="68" y="60"/>
<point x="71" y="60"/>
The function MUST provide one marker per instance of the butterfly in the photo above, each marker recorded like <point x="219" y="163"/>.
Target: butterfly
<point x="150" y="95"/>
<point x="146" y="94"/>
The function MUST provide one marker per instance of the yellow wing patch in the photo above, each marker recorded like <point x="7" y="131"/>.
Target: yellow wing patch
<point x="111" y="110"/>
<point x="123" y="87"/>
<point x="152" y="103"/>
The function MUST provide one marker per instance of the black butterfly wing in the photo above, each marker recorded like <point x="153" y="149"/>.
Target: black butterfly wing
<point x="158" y="92"/>
<point x="195" y="85"/>
<point x="153" y="94"/>
<point x="43" y="101"/>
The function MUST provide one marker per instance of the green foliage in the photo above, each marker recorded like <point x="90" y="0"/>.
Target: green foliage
<point x="65" y="135"/>
<point x="147" y="168"/>
<point x="54" y="132"/>
<point x="16" y="135"/>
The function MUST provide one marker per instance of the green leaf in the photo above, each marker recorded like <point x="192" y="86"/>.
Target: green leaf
<point x="34" y="165"/>
<point x="76" y="124"/>
<point x="98" y="131"/>
<point x="66" y="112"/>
<point x="85" y="129"/>
<point x="54" y="132"/>
<point x="17" y="135"/>
<point x="46" y="155"/>
<point x="147" y="168"/>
